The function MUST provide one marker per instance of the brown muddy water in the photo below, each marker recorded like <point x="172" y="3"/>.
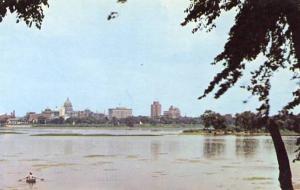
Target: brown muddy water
<point x="148" y="160"/>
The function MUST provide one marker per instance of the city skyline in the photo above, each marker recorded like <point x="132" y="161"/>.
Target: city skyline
<point x="68" y="104"/>
<point x="127" y="61"/>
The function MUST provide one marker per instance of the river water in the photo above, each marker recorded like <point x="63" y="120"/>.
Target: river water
<point x="167" y="161"/>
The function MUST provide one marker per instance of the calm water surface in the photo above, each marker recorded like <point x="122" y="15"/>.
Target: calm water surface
<point x="171" y="161"/>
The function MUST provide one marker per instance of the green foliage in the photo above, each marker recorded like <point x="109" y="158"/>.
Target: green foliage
<point x="288" y="121"/>
<point x="247" y="120"/>
<point x="216" y="120"/>
<point x="84" y="120"/>
<point x="29" y="11"/>
<point x="270" y="27"/>
<point x="121" y="1"/>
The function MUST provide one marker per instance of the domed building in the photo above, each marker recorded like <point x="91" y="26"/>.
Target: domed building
<point x="67" y="109"/>
<point x="68" y="106"/>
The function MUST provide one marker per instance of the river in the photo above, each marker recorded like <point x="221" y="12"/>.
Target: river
<point x="148" y="160"/>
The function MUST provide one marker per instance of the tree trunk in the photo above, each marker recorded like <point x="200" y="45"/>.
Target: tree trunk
<point x="285" y="174"/>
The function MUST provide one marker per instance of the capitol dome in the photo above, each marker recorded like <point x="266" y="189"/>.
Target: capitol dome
<point x="68" y="103"/>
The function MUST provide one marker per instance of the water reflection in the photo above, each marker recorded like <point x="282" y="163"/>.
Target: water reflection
<point x="68" y="148"/>
<point x="245" y="147"/>
<point x="155" y="150"/>
<point x="213" y="147"/>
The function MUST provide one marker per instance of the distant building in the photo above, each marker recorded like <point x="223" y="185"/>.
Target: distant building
<point x="81" y="114"/>
<point x="5" y="117"/>
<point x="50" y="114"/>
<point x="119" y="112"/>
<point x="229" y="119"/>
<point x="66" y="110"/>
<point x="155" y="109"/>
<point x="16" y="121"/>
<point x="99" y="115"/>
<point x="68" y="106"/>
<point x="86" y="113"/>
<point x="33" y="117"/>
<point x="43" y="117"/>
<point x="173" y="113"/>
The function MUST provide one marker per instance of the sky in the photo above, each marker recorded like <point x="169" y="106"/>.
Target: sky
<point x="141" y="56"/>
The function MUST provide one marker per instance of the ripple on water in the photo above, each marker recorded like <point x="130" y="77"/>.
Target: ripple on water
<point x="210" y="173"/>
<point x="230" y="166"/>
<point x="143" y="159"/>
<point x="159" y="173"/>
<point x="163" y="153"/>
<point x="132" y="156"/>
<point x="193" y="161"/>
<point x="101" y="163"/>
<point x="33" y="160"/>
<point x="257" y="178"/>
<point x="100" y="156"/>
<point x="40" y="167"/>
<point x="110" y="169"/>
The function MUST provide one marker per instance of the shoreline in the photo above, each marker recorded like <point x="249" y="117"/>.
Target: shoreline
<point x="183" y="130"/>
<point x="235" y="133"/>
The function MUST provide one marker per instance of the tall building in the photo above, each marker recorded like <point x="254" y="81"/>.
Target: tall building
<point x="119" y="112"/>
<point x="173" y="113"/>
<point x="67" y="109"/>
<point x="68" y="106"/>
<point x="155" y="109"/>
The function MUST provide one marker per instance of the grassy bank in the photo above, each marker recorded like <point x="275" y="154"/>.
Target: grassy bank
<point x="109" y="126"/>
<point x="188" y="129"/>
<point x="89" y="135"/>
<point x="284" y="132"/>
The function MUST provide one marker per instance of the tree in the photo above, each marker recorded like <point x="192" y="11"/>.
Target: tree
<point x="29" y="11"/>
<point x="246" y="120"/>
<point x="286" y="121"/>
<point x="207" y="118"/>
<point x="268" y="27"/>
<point x="59" y="120"/>
<point x="216" y="120"/>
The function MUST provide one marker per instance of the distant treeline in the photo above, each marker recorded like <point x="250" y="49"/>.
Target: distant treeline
<point x="130" y="121"/>
<point x="209" y="119"/>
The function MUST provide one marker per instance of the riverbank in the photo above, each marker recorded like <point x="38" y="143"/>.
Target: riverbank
<point x="284" y="132"/>
<point x="182" y="129"/>
<point x="110" y="126"/>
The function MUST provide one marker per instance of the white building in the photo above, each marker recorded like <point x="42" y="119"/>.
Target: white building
<point x="119" y="112"/>
<point x="66" y="110"/>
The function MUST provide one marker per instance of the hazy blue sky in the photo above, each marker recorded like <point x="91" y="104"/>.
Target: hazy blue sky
<point x="141" y="56"/>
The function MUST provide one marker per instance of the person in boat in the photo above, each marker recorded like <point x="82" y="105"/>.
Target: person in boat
<point x="30" y="176"/>
<point x="31" y="179"/>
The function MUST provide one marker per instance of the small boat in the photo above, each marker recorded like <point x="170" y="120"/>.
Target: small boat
<point x="31" y="181"/>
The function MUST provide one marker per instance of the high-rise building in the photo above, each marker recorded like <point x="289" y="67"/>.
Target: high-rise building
<point x="155" y="109"/>
<point x="119" y="112"/>
<point x="173" y="113"/>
